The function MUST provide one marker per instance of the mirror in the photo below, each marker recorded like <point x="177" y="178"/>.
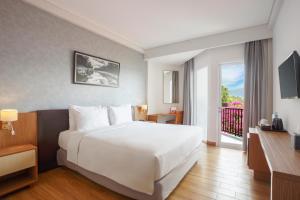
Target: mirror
<point x="171" y="89"/>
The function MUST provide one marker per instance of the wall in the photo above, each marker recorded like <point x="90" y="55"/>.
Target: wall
<point x="201" y="96"/>
<point x="286" y="39"/>
<point x="36" y="62"/>
<point x="212" y="59"/>
<point x="155" y="88"/>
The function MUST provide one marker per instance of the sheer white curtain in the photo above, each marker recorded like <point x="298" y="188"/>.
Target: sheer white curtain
<point x="195" y="102"/>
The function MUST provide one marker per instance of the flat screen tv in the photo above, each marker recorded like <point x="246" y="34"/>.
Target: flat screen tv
<point x="289" y="77"/>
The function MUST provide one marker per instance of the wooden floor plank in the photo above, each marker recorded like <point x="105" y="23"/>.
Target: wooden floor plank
<point x="221" y="174"/>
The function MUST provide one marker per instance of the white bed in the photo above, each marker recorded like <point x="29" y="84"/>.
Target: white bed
<point x="133" y="154"/>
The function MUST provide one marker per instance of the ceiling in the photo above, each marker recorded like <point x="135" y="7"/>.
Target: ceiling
<point x="145" y="24"/>
<point x="174" y="59"/>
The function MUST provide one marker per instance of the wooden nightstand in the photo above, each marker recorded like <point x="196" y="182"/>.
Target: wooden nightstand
<point x="18" y="167"/>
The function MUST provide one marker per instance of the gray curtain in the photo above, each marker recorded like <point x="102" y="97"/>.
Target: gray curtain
<point x="175" y="87"/>
<point x="258" y="84"/>
<point x="188" y="93"/>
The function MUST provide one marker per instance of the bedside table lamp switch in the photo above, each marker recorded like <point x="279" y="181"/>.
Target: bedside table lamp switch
<point x="7" y="116"/>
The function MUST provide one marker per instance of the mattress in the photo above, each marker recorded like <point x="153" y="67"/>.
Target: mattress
<point x="134" y="154"/>
<point x="64" y="138"/>
<point x="163" y="187"/>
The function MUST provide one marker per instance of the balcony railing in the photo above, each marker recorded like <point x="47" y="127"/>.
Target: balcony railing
<point x="232" y="121"/>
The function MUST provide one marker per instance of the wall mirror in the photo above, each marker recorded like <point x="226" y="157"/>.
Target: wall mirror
<point x="171" y="86"/>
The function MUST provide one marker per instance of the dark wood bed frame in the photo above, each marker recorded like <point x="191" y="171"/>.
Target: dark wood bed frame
<point x="50" y="124"/>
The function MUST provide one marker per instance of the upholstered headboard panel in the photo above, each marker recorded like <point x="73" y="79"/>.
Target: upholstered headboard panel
<point x="50" y="124"/>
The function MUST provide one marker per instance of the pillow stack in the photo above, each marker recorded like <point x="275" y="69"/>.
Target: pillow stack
<point x="87" y="118"/>
<point x="93" y="117"/>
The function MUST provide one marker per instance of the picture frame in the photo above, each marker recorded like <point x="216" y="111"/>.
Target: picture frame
<point x="93" y="70"/>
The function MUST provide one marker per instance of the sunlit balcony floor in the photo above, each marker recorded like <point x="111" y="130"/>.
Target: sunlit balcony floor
<point x="231" y="139"/>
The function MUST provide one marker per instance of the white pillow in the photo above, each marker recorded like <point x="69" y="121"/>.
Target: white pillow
<point x="120" y="114"/>
<point x="89" y="118"/>
<point x="72" y="123"/>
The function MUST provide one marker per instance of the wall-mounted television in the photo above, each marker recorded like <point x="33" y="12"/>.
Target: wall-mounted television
<point x="289" y="77"/>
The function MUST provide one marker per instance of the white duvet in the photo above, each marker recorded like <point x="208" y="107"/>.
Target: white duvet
<point x="133" y="154"/>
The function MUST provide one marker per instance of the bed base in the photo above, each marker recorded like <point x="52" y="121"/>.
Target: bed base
<point x="162" y="187"/>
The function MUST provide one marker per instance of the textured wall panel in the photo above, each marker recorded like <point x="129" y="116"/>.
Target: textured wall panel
<point x="36" y="62"/>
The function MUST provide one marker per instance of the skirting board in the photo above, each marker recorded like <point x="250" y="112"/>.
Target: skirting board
<point x="210" y="143"/>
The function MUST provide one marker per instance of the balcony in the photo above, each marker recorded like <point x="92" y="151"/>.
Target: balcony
<point x="232" y="122"/>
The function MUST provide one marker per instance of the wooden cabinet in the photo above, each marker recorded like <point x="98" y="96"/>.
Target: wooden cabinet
<point x="272" y="157"/>
<point x="256" y="158"/>
<point x="18" y="167"/>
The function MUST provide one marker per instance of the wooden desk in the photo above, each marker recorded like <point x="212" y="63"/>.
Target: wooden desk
<point x="177" y="117"/>
<point x="282" y="160"/>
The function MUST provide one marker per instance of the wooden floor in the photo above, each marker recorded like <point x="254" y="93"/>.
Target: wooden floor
<point x="221" y="174"/>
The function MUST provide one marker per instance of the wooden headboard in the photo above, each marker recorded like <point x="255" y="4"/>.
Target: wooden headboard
<point x="25" y="128"/>
<point x="39" y="128"/>
<point x="50" y="124"/>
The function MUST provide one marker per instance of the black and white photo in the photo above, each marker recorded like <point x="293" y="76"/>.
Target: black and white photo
<point x="93" y="70"/>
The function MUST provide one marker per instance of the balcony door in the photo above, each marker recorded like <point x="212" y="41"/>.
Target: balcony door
<point x="231" y="108"/>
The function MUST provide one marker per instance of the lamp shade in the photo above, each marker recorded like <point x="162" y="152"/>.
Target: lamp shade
<point x="144" y="107"/>
<point x="8" y="115"/>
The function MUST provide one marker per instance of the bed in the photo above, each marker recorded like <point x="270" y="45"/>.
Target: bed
<point x="137" y="159"/>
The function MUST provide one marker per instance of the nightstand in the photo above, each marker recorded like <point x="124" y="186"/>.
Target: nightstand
<point x="18" y="167"/>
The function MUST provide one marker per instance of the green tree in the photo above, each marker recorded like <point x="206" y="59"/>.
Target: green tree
<point x="225" y="94"/>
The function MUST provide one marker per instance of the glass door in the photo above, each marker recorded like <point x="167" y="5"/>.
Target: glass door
<point x="231" y="108"/>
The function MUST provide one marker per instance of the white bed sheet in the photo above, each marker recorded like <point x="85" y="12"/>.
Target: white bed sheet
<point x="133" y="154"/>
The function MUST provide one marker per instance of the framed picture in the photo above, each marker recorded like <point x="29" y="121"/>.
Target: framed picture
<point x="92" y="70"/>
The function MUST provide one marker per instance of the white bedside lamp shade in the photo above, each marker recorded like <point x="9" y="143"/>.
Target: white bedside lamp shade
<point x="144" y="108"/>
<point x="8" y="115"/>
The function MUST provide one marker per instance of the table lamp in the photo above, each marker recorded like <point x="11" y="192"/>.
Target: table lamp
<point x="144" y="108"/>
<point x="141" y="112"/>
<point x="7" y="116"/>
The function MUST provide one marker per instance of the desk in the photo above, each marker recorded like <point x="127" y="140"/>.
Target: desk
<point x="170" y="118"/>
<point x="270" y="153"/>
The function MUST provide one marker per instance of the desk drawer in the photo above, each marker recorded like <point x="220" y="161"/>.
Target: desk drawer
<point x="16" y="162"/>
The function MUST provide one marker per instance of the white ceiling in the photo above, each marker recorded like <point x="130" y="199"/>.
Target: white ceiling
<point x="144" y="24"/>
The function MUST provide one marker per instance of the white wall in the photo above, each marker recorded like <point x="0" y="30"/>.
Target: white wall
<point x="201" y="97"/>
<point x="286" y="39"/>
<point x="36" y="62"/>
<point x="213" y="58"/>
<point x="155" y="88"/>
